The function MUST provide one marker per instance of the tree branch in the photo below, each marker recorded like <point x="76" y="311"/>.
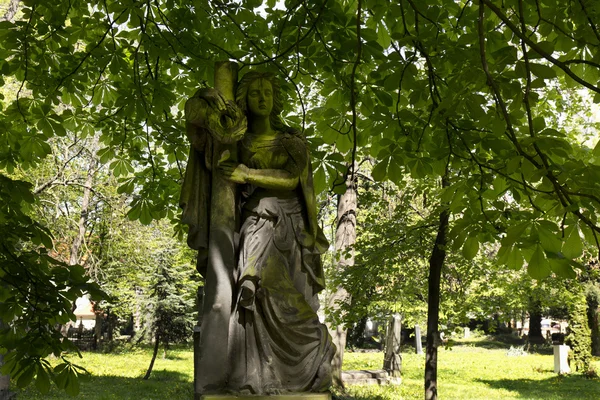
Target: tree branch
<point x="353" y="97"/>
<point x="537" y="48"/>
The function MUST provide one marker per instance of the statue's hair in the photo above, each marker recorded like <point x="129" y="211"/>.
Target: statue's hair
<point x="241" y="96"/>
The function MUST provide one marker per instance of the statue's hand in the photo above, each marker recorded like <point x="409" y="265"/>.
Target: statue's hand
<point x="237" y="173"/>
<point x="214" y="98"/>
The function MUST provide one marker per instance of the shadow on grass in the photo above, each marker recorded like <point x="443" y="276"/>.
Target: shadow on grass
<point x="494" y="342"/>
<point x="162" y="384"/>
<point x="557" y="387"/>
<point x="490" y="344"/>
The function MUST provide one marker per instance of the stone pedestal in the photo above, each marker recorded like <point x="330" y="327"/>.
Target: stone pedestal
<point x="370" y="377"/>
<point x="561" y="354"/>
<point x="5" y="393"/>
<point x="467" y="333"/>
<point x="286" y="396"/>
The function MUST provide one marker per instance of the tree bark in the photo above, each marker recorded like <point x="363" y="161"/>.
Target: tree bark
<point x="156" y="344"/>
<point x="83" y="216"/>
<point x="345" y="238"/>
<point x="593" y="314"/>
<point x="11" y="10"/>
<point x="436" y="262"/>
<point x="392" y="361"/>
<point x="535" y="322"/>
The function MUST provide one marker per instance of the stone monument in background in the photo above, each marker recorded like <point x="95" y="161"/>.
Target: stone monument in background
<point x="249" y="201"/>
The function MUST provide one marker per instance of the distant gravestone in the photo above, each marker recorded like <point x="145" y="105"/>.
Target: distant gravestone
<point x="467" y="333"/>
<point x="561" y="364"/>
<point x="418" y="343"/>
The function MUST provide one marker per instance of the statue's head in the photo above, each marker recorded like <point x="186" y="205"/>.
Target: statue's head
<point x="259" y="84"/>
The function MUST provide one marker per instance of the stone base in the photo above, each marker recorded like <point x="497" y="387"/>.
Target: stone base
<point x="372" y="377"/>
<point x="286" y="396"/>
<point x="7" y="395"/>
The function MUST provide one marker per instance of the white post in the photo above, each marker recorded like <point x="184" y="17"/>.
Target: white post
<point x="561" y="353"/>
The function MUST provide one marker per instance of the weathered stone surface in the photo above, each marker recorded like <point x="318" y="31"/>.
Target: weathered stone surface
<point x="418" y="342"/>
<point x="260" y="251"/>
<point x="369" y="377"/>
<point x="287" y="396"/>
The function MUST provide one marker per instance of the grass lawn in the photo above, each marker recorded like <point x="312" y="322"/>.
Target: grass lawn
<point x="476" y="369"/>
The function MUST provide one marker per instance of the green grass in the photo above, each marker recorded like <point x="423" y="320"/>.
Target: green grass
<point x="119" y="376"/>
<point x="477" y="369"/>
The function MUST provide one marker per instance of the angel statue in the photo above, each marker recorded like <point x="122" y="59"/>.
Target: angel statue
<point x="266" y="299"/>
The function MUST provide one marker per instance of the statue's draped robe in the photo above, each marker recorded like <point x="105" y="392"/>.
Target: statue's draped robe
<point x="276" y="339"/>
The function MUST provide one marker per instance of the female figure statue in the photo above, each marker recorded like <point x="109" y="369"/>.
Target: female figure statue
<point x="276" y="342"/>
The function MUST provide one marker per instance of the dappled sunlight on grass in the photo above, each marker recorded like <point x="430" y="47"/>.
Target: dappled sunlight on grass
<point x="119" y="376"/>
<point x="472" y="370"/>
<point x="476" y="369"/>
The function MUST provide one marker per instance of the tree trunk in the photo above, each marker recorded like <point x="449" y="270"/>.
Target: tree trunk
<point x="345" y="237"/>
<point x="156" y="344"/>
<point x="593" y="314"/>
<point x="85" y="205"/>
<point x="356" y="333"/>
<point x="11" y="11"/>
<point x="98" y="326"/>
<point x="535" y="322"/>
<point x="392" y="361"/>
<point x="436" y="262"/>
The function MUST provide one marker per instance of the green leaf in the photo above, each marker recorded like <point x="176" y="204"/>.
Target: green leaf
<point x="135" y="211"/>
<point x="513" y="164"/>
<point x="470" y="248"/>
<point x="61" y="375"/>
<point x="503" y="254"/>
<point x="395" y="172"/>
<point x="105" y="154"/>
<point x="320" y="180"/>
<point x="392" y="82"/>
<point x="72" y="386"/>
<point x="538" y="267"/>
<point x="562" y="268"/>
<point x="26" y="376"/>
<point x="380" y="170"/>
<point x="515" y="259"/>
<point x="549" y="241"/>
<point x="573" y="246"/>
<point x="42" y="381"/>
<point x="514" y="233"/>
<point x="145" y="214"/>
<point x="542" y="71"/>
<point x="596" y="151"/>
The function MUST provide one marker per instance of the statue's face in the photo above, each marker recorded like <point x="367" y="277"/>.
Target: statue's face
<point x="260" y="98"/>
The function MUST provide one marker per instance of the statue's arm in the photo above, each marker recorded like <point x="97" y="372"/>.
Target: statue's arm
<point x="277" y="179"/>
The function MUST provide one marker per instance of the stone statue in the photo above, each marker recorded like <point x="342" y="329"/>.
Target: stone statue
<point x="275" y="342"/>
